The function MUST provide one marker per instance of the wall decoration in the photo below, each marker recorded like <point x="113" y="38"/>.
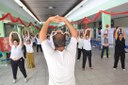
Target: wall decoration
<point x="8" y="15"/>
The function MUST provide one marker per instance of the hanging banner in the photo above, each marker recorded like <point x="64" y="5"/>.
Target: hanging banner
<point x="106" y="21"/>
<point x="4" y="45"/>
<point x="8" y="15"/>
<point x="87" y="20"/>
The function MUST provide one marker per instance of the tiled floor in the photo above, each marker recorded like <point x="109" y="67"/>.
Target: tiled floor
<point x="102" y="74"/>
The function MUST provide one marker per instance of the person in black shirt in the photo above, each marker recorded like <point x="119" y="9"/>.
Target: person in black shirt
<point x="120" y="37"/>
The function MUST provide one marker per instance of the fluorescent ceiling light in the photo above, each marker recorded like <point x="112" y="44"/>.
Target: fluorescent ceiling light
<point x="50" y="7"/>
<point x="26" y="9"/>
<point x="77" y="7"/>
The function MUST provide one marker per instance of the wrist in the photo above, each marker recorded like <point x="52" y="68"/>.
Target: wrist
<point x="65" y="20"/>
<point x="48" y="21"/>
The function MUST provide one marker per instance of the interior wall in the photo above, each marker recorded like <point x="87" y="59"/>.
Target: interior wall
<point x="1" y="28"/>
<point x="123" y="22"/>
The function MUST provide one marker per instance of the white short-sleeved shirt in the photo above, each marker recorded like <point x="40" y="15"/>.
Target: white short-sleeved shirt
<point x="26" y="38"/>
<point x="38" y="41"/>
<point x="29" y="48"/>
<point x="80" y="43"/>
<point x="61" y="64"/>
<point x="87" y="44"/>
<point x="16" y="52"/>
<point x="50" y="41"/>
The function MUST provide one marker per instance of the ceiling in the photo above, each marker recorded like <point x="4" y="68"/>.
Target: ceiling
<point x="120" y="8"/>
<point x="60" y="7"/>
<point x="10" y="6"/>
<point x="42" y="9"/>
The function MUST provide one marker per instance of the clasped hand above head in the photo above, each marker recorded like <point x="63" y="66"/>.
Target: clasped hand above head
<point x="57" y="19"/>
<point x="14" y="32"/>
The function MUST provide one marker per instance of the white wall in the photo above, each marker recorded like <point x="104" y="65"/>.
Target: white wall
<point x="123" y="22"/>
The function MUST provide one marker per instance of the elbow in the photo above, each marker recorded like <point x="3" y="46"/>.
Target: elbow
<point x="75" y="35"/>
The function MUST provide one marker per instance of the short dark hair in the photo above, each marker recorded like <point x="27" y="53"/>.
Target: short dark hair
<point x="37" y="35"/>
<point x="16" y="40"/>
<point x="59" y="40"/>
<point x="48" y="36"/>
<point x="117" y="27"/>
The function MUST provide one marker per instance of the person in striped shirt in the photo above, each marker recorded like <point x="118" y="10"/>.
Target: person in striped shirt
<point x="61" y="59"/>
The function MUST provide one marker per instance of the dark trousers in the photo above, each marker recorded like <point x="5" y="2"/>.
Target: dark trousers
<point x="34" y="44"/>
<point x="15" y="64"/>
<point x="79" y="53"/>
<point x="120" y="56"/>
<point x="39" y="47"/>
<point x="87" y="54"/>
<point x="103" y="49"/>
<point x="24" y="51"/>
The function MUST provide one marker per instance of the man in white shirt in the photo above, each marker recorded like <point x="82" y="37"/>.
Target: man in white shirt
<point x="61" y="60"/>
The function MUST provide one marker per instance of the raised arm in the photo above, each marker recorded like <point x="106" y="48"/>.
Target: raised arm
<point x="70" y="27"/>
<point x="90" y="36"/>
<point x="24" y="40"/>
<point x="28" y="34"/>
<point x="124" y="34"/>
<point x="10" y="39"/>
<point x="116" y="33"/>
<point x="67" y="33"/>
<point x="52" y="33"/>
<point x="20" y="42"/>
<point x="44" y="29"/>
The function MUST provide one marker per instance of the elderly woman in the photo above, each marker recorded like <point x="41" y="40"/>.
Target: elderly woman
<point x="87" y="49"/>
<point x="17" y="56"/>
<point x="30" y="53"/>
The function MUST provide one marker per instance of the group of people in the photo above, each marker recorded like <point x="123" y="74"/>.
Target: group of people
<point x="84" y="46"/>
<point x="21" y="48"/>
<point x="60" y="51"/>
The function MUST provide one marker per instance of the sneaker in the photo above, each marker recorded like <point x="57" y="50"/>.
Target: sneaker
<point x="25" y="79"/>
<point x="124" y="69"/>
<point x="14" y="81"/>
<point x="114" y="69"/>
